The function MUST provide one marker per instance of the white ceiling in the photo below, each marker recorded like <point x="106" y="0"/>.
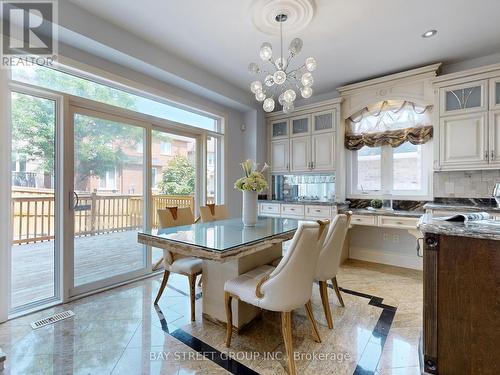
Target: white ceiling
<point x="351" y="40"/>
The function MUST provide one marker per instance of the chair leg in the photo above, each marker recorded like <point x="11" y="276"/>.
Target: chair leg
<point x="337" y="291"/>
<point x="310" y="315"/>
<point x="229" y="317"/>
<point x="200" y="280"/>
<point x="166" y="274"/>
<point x="286" y="327"/>
<point x="192" y="294"/>
<point x="323" y="290"/>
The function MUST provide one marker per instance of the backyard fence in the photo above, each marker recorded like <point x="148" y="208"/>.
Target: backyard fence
<point x="34" y="212"/>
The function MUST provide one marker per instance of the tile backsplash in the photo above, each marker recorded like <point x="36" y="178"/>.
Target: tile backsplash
<point x="465" y="184"/>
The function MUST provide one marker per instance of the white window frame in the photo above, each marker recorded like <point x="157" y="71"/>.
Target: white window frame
<point x="386" y="191"/>
<point x="106" y="179"/>
<point x="149" y="123"/>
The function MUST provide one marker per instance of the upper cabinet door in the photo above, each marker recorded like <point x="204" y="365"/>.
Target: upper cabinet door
<point x="300" y="126"/>
<point x="465" y="98"/>
<point x="279" y="129"/>
<point x="495" y="93"/>
<point x="494" y="137"/>
<point x="464" y="141"/>
<point x="280" y="155"/>
<point x="323" y="152"/>
<point x="323" y="122"/>
<point x="300" y="154"/>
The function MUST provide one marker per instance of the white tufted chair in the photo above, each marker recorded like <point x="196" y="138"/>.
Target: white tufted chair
<point x="284" y="288"/>
<point x="176" y="263"/>
<point x="329" y="261"/>
<point x="212" y="212"/>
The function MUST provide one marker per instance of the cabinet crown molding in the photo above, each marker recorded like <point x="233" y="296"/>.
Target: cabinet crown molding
<point x="427" y="71"/>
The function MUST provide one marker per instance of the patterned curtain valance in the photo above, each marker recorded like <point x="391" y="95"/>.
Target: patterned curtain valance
<point x="389" y="123"/>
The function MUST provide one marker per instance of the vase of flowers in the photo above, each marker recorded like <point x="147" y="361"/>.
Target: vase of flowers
<point x="251" y="185"/>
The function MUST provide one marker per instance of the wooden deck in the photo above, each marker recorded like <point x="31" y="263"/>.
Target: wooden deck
<point x="96" y="257"/>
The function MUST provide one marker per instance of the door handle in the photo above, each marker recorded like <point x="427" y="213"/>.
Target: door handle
<point x="74" y="199"/>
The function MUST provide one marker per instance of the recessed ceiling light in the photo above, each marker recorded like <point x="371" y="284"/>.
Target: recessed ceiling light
<point x="429" y="33"/>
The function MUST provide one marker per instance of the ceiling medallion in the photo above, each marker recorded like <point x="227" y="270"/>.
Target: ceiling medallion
<point x="283" y="81"/>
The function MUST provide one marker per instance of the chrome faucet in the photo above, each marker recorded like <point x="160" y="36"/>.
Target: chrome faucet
<point x="496" y="193"/>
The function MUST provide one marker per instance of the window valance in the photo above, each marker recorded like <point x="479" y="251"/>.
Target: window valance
<point x="390" y="122"/>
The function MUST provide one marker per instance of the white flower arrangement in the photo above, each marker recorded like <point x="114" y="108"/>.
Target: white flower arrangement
<point x="254" y="180"/>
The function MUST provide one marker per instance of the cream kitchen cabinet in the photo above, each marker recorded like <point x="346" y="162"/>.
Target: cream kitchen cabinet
<point x="464" y="141"/>
<point x="323" y="152"/>
<point x="494" y="138"/>
<point x="280" y="152"/>
<point x="306" y="141"/>
<point x="300" y="154"/>
<point x="464" y="98"/>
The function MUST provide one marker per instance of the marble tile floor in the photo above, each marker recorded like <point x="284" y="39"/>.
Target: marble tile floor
<point x="120" y="332"/>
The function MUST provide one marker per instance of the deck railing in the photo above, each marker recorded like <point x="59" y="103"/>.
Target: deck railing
<point x="34" y="214"/>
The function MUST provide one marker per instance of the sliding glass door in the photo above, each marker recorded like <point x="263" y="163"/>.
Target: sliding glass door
<point x="34" y="217"/>
<point x="173" y="175"/>
<point x="108" y="200"/>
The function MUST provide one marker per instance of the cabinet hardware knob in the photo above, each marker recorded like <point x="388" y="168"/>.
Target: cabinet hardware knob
<point x="431" y="242"/>
<point x="492" y="155"/>
<point x="486" y="155"/>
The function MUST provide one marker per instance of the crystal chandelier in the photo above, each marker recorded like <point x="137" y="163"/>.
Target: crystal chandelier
<point x="283" y="81"/>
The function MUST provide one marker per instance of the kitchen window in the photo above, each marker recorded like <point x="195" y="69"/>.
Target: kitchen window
<point x="389" y="153"/>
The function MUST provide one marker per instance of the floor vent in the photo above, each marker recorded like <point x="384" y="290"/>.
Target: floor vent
<point x="52" y="319"/>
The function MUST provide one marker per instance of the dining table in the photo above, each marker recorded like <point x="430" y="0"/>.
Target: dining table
<point x="228" y="249"/>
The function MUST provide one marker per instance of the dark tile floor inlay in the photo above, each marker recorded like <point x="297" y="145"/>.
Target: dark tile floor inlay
<point x="367" y="364"/>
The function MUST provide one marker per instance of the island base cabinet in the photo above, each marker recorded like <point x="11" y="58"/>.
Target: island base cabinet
<point x="461" y="332"/>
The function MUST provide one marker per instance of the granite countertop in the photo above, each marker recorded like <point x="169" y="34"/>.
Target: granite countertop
<point x="381" y="212"/>
<point x="428" y="224"/>
<point x="461" y="207"/>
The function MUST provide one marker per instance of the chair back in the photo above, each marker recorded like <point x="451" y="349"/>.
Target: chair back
<point x="329" y="256"/>
<point x="212" y="212"/>
<point x="174" y="217"/>
<point x="289" y="285"/>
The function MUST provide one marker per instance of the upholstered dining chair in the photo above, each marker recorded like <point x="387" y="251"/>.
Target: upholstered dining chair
<point x="212" y="212"/>
<point x="329" y="261"/>
<point x="284" y="288"/>
<point x="176" y="263"/>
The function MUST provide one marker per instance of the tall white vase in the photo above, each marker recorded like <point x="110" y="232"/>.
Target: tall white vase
<point x="249" y="208"/>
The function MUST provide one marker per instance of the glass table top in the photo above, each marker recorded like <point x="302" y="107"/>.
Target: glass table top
<point x="223" y="235"/>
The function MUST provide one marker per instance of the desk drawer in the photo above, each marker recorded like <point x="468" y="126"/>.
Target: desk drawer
<point x="364" y="220"/>
<point x="318" y="212"/>
<point x="292" y="210"/>
<point x="398" y="222"/>
<point x="269" y="208"/>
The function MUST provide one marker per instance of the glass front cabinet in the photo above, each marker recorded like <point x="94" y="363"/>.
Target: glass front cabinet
<point x="279" y="129"/>
<point x="464" y="98"/>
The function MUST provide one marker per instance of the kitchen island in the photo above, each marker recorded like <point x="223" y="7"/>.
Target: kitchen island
<point x="461" y="332"/>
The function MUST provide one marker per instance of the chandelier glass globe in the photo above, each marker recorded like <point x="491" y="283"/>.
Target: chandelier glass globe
<point x="307" y="79"/>
<point x="306" y="92"/>
<point x="266" y="51"/>
<point x="253" y="68"/>
<point x="269" y="80"/>
<point x="256" y="86"/>
<point x="311" y="64"/>
<point x="289" y="96"/>
<point x="288" y="107"/>
<point x="279" y="77"/>
<point x="296" y="46"/>
<point x="281" y="98"/>
<point x="260" y="96"/>
<point x="268" y="105"/>
<point x="282" y="81"/>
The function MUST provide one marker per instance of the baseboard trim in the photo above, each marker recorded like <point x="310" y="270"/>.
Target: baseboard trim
<point x="392" y="259"/>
